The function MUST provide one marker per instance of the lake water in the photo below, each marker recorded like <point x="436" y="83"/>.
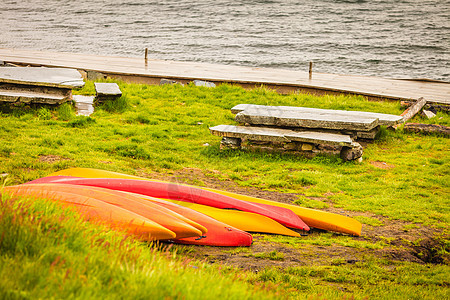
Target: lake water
<point x="390" y="38"/>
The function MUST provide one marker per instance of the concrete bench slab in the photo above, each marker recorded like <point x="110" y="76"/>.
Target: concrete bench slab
<point x="107" y="91"/>
<point x="51" y="77"/>
<point x="84" y="104"/>
<point x="281" y="135"/>
<point x="383" y="119"/>
<point x="14" y="96"/>
<point x="305" y="119"/>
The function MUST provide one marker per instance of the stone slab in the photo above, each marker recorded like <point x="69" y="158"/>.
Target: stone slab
<point x="52" y="77"/>
<point x="84" y="104"/>
<point x="280" y="135"/>
<point x="383" y="119"/>
<point x="31" y="97"/>
<point x="292" y="118"/>
<point x="428" y="114"/>
<point x="107" y="89"/>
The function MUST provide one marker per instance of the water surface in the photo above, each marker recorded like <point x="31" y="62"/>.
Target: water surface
<point x="386" y="38"/>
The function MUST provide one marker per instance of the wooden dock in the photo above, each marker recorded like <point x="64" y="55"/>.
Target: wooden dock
<point x="151" y="71"/>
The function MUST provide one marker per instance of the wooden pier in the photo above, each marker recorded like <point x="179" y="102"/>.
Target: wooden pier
<point x="151" y="71"/>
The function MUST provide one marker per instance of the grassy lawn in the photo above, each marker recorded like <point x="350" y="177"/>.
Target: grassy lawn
<point x="400" y="192"/>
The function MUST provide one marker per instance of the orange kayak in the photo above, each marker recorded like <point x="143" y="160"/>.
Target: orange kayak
<point x="312" y="217"/>
<point x="98" y="211"/>
<point x="219" y="233"/>
<point x="161" y="215"/>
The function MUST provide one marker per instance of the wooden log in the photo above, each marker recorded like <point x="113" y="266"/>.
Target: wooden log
<point x="383" y="119"/>
<point x="432" y="106"/>
<point x="411" y="111"/>
<point x="427" y="128"/>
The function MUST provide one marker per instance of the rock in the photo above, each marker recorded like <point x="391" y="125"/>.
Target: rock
<point x="94" y="75"/>
<point x="164" y="81"/>
<point x="307" y="147"/>
<point x="428" y="114"/>
<point x="230" y="142"/>
<point x="352" y="153"/>
<point x="204" y="83"/>
<point x="291" y="146"/>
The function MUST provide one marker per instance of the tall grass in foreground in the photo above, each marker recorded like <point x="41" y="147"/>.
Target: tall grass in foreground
<point x="48" y="252"/>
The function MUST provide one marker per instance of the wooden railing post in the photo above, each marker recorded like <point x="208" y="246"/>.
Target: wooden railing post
<point x="146" y="56"/>
<point x="310" y="70"/>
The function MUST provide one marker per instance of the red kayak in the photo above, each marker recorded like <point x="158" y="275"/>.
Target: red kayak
<point x="183" y="193"/>
<point x="219" y="234"/>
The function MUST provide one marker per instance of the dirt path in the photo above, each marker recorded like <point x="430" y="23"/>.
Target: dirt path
<point x="414" y="244"/>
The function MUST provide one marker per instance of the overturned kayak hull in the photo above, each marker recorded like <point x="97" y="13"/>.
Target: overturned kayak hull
<point x="163" y="216"/>
<point x="218" y="233"/>
<point x="240" y="219"/>
<point x="177" y="192"/>
<point x="312" y="217"/>
<point x="98" y="211"/>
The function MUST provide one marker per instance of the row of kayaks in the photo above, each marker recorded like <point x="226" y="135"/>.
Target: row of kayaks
<point x="158" y="210"/>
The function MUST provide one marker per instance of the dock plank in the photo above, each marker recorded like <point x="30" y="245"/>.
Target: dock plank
<point x="437" y="92"/>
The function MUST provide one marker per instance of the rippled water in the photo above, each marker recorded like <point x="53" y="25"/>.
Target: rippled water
<point x="390" y="38"/>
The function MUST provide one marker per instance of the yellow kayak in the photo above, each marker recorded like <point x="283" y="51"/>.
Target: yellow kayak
<point x="242" y="220"/>
<point x="312" y="217"/>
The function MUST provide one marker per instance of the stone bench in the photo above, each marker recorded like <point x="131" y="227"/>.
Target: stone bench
<point x="302" y="129"/>
<point x="358" y="124"/>
<point x="14" y="96"/>
<point x="383" y="119"/>
<point x="106" y="91"/>
<point x="285" y="140"/>
<point x="38" y="85"/>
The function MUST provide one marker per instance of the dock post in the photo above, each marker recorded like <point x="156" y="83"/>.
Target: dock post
<point x="310" y="70"/>
<point x="146" y="56"/>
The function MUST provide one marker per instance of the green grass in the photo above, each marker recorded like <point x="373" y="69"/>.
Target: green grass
<point x="164" y="130"/>
<point x="325" y="239"/>
<point x="378" y="279"/>
<point x="47" y="252"/>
